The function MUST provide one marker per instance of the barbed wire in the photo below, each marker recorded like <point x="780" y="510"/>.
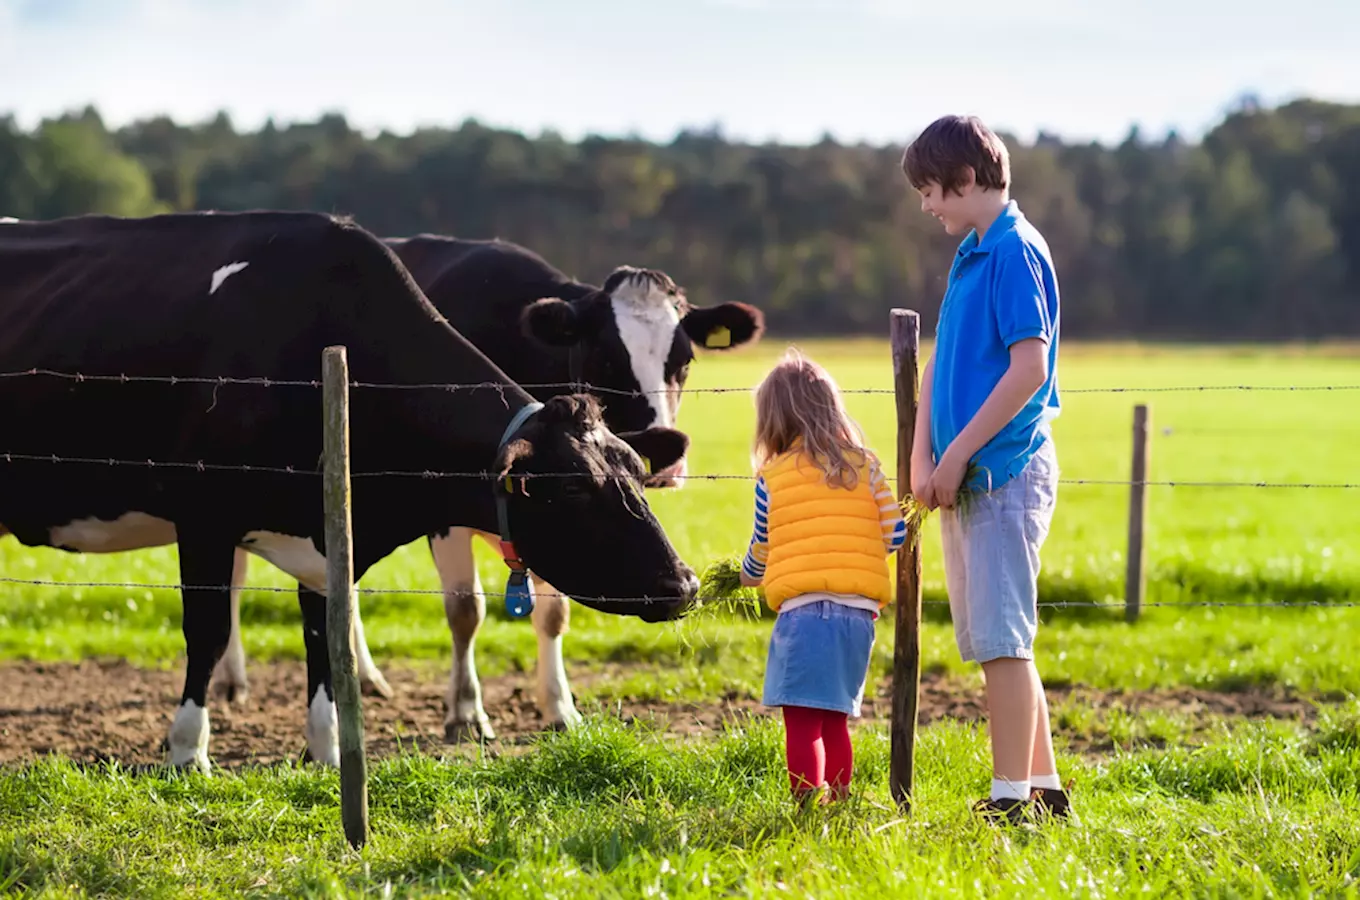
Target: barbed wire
<point x="698" y="601"/>
<point x="262" y="381"/>
<point x="201" y="466"/>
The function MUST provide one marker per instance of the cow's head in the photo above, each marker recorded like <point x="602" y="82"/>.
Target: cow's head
<point x="583" y="524"/>
<point x="634" y="341"/>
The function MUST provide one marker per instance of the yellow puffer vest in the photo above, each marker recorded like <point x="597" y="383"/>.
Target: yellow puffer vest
<point x="822" y="538"/>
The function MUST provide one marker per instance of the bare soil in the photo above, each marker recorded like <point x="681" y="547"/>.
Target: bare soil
<point x="110" y="710"/>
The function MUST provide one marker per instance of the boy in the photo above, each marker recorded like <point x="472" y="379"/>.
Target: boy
<point x="988" y="395"/>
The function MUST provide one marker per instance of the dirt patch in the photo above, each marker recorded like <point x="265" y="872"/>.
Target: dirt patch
<point x="110" y="710"/>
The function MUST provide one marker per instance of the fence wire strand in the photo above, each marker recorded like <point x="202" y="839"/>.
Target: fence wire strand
<point x="201" y="466"/>
<point x="267" y="382"/>
<point x="698" y="601"/>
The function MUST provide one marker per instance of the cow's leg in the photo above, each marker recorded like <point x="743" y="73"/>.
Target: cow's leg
<point x="205" y="567"/>
<point x="229" y="678"/>
<point x="465" y="609"/>
<point x="550" y="618"/>
<point x="323" y="726"/>
<point x="370" y="677"/>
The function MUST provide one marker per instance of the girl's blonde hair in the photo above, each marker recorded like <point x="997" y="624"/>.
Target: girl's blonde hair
<point x="799" y="400"/>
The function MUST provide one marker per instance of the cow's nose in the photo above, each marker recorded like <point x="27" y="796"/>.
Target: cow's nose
<point x="673" y="476"/>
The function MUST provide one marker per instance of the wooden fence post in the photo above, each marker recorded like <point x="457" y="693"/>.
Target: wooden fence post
<point x="1134" y="582"/>
<point x="340" y="598"/>
<point x="906" y="681"/>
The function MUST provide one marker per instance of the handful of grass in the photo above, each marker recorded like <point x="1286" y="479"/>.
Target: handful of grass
<point x="720" y="584"/>
<point x="915" y="512"/>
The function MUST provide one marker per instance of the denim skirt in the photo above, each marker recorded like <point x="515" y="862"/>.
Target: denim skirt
<point x="819" y="657"/>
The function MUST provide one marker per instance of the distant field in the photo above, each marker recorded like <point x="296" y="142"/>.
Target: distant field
<point x="1182" y="795"/>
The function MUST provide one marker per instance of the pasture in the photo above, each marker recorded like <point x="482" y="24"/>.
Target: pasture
<point x="1216" y="749"/>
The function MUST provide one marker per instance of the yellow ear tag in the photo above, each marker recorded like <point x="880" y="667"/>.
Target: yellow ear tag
<point x="509" y="486"/>
<point x="646" y="465"/>
<point x="719" y="337"/>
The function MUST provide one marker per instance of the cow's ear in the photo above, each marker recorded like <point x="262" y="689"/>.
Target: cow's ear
<point x="552" y="321"/>
<point x="659" y="448"/>
<point x="724" y="326"/>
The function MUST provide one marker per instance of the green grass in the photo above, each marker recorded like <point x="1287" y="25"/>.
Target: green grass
<point x="618" y="811"/>
<point x="1261" y="809"/>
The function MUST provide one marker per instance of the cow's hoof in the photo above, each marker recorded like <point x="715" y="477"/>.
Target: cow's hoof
<point x="198" y="764"/>
<point x="566" y="719"/>
<point x="476" y="730"/>
<point x="376" y="685"/>
<point x="232" y="693"/>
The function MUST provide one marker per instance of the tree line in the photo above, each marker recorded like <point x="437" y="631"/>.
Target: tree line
<point x="1252" y="232"/>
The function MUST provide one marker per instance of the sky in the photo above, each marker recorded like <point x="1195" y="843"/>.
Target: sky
<point x="785" y="70"/>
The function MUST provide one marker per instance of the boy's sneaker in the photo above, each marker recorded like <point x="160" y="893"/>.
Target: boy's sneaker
<point x="1053" y="803"/>
<point x="1007" y="810"/>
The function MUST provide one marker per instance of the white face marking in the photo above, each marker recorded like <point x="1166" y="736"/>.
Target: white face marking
<point x="647" y="320"/>
<point x="224" y="273"/>
<point x="295" y="555"/>
<point x="130" y="531"/>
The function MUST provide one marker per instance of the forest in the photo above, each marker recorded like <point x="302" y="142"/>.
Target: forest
<point x="1250" y="233"/>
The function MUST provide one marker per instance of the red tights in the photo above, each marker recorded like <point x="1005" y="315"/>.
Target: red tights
<point x="817" y="745"/>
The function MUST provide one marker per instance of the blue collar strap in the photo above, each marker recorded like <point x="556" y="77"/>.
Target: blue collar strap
<point x="520" y="418"/>
<point x="519" y="602"/>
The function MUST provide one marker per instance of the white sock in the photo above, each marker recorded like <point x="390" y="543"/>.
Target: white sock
<point x="1046" y="781"/>
<point x="1003" y="789"/>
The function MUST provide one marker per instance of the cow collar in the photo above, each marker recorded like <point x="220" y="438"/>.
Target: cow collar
<point x="519" y="602"/>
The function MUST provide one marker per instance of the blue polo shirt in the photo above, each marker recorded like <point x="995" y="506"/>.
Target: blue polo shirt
<point x="1001" y="290"/>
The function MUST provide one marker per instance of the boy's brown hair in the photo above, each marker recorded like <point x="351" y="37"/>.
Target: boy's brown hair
<point x="951" y="143"/>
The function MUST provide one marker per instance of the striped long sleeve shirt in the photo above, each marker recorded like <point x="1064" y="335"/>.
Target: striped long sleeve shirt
<point x="889" y="516"/>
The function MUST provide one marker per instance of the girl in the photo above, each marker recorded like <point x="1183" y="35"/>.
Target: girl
<point x="825" y="523"/>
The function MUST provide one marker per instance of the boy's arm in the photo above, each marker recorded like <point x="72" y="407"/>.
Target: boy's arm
<point x="1023" y="321"/>
<point x="922" y="460"/>
<point x="889" y="512"/>
<point x="753" y="566"/>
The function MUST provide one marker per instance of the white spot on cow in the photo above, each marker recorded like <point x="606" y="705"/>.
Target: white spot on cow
<point x="130" y="531"/>
<point x="189" y="737"/>
<point x="647" y="319"/>
<point x="8" y="220"/>
<point x="224" y="273"/>
<point x="323" y="729"/>
<point x="297" y="556"/>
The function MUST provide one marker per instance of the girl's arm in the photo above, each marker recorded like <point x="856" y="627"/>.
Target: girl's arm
<point x="889" y="511"/>
<point x="753" y="566"/>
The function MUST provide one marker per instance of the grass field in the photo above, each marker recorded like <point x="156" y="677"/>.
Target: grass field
<point x="1178" y="802"/>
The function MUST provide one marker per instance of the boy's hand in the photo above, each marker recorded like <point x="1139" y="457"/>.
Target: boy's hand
<point x="748" y="581"/>
<point x="947" y="479"/>
<point x="921" y="471"/>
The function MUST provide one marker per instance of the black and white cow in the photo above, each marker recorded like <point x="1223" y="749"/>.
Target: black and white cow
<point x="252" y="295"/>
<point x="631" y="340"/>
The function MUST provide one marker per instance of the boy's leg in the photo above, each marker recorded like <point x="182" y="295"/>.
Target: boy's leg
<point x="1013" y="693"/>
<point x="1043" y="767"/>
<point x="1003" y="533"/>
<point x="840" y="753"/>
<point x="803" y="749"/>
